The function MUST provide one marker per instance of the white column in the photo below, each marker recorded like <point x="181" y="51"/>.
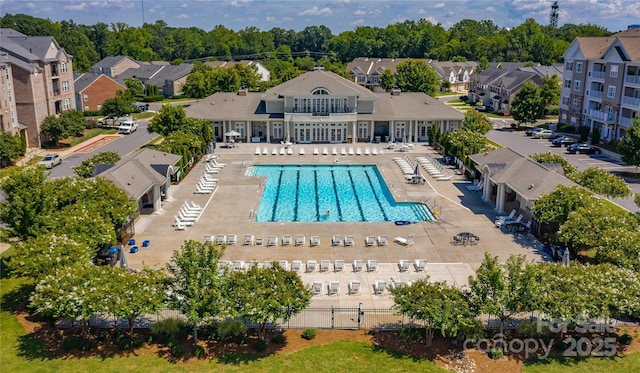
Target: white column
<point x="268" y="132"/>
<point x="157" y="206"/>
<point x="167" y="189"/>
<point x="372" y="130"/>
<point x="500" y="197"/>
<point x="354" y="134"/>
<point x="486" y="187"/>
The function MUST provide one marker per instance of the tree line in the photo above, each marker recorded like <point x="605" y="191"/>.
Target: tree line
<point x="467" y="40"/>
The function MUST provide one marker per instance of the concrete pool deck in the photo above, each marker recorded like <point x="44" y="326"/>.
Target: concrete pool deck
<point x="230" y="210"/>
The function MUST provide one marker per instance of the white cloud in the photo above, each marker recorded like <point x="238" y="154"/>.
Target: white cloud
<point x="270" y="19"/>
<point x="182" y="16"/>
<point x="367" y="13"/>
<point x="439" y="5"/>
<point x="357" y="22"/>
<point x="76" y="7"/>
<point x="184" y="5"/>
<point x="359" y="12"/>
<point x="431" y="20"/>
<point x="239" y="3"/>
<point x="315" y="11"/>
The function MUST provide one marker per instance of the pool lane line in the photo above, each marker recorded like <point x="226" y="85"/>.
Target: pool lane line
<point x="355" y="194"/>
<point x="275" y="203"/>
<point x="373" y="190"/>
<point x="315" y="185"/>
<point x="295" y="205"/>
<point x="335" y="192"/>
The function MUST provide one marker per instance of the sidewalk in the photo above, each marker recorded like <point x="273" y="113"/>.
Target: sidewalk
<point x="65" y="152"/>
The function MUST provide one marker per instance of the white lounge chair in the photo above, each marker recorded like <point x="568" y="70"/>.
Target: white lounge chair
<point x="343" y="151"/>
<point x="316" y="288"/>
<point x="301" y="150"/>
<point x="282" y="150"/>
<point x="379" y="287"/>
<point x="358" y="265"/>
<point x="382" y="240"/>
<point x="300" y="240"/>
<point x="420" y="265"/>
<point x="221" y="239"/>
<point x="475" y="187"/>
<point x="265" y="151"/>
<point x="358" y="151"/>
<point x="248" y="239"/>
<point x="274" y="151"/>
<point x="290" y="150"/>
<point x="286" y="240"/>
<point x="315" y="151"/>
<point x="258" y="151"/>
<point x="374" y="151"/>
<point x="444" y="177"/>
<point x="272" y="241"/>
<point x="201" y="190"/>
<point x="404" y="241"/>
<point x="208" y="238"/>
<point x="296" y="265"/>
<point x="404" y="265"/>
<point x="179" y="225"/>
<point x="238" y="265"/>
<point x="334" y="288"/>
<point x="372" y="265"/>
<point x="354" y="287"/>
<point x="370" y="241"/>
<point x="334" y="151"/>
<point x="325" y="264"/>
<point x="311" y="265"/>
<point x="349" y="241"/>
<point x="253" y="264"/>
<point x="211" y="157"/>
<point x="314" y="241"/>
<point x="501" y="218"/>
<point x="284" y="264"/>
<point x="336" y="240"/>
<point x="267" y="264"/>
<point x="338" y="265"/>
<point x="351" y="150"/>
<point x="231" y="239"/>
<point x="325" y="151"/>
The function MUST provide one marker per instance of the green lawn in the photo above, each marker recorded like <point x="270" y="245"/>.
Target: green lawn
<point x="88" y="134"/>
<point x="618" y="364"/>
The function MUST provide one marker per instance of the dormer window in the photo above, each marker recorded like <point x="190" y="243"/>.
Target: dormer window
<point x="320" y="91"/>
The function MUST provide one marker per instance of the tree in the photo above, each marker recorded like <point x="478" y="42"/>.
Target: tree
<point x="74" y="122"/>
<point x="442" y="307"/>
<point x="601" y="182"/>
<point x="170" y="118"/>
<point x="629" y="145"/>
<point x="475" y="121"/>
<point x="247" y="75"/>
<point x="86" y="167"/>
<point x="134" y="86"/>
<point x="527" y="105"/>
<point x="196" y="287"/>
<point x="550" y="90"/>
<point x="464" y="142"/>
<point x="567" y="167"/>
<point x="417" y="76"/>
<point x="12" y="146"/>
<point x="185" y="144"/>
<point x="45" y="254"/>
<point x="132" y="294"/>
<point x="556" y="206"/>
<point x="116" y="107"/>
<point x="264" y="295"/>
<point x="387" y="80"/>
<point x="503" y="289"/>
<point x="620" y="247"/>
<point x="636" y="199"/>
<point x="27" y="204"/>
<point x="54" y="128"/>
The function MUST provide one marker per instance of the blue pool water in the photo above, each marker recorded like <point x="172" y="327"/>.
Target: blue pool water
<point x="349" y="193"/>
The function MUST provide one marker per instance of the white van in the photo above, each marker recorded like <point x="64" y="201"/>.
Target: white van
<point x="127" y="127"/>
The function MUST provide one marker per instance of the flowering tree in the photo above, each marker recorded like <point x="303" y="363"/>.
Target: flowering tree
<point x="601" y="182"/>
<point x="264" y="295"/>
<point x="556" y="206"/>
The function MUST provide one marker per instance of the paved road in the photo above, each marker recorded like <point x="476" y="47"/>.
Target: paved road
<point x="123" y="145"/>
<point x="526" y="146"/>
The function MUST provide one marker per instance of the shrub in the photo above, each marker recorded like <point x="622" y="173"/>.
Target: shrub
<point x="70" y="342"/>
<point x="309" y="334"/>
<point x="584" y="133"/>
<point x="231" y="331"/>
<point x="625" y="339"/>
<point x="262" y="345"/>
<point x="103" y="336"/>
<point x="137" y="342"/>
<point x="533" y="330"/>
<point x="200" y="352"/>
<point x="177" y="350"/>
<point x="472" y="332"/>
<point x="496" y="353"/>
<point x="561" y="346"/>
<point x="168" y="329"/>
<point x="279" y="339"/>
<point x="85" y="344"/>
<point x="124" y="343"/>
<point x="412" y="334"/>
<point x="568" y="128"/>
<point x="595" y="136"/>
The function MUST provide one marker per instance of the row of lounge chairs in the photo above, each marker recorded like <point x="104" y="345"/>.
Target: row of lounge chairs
<point x="221" y="239"/>
<point x="434" y="169"/>
<point x="510" y="222"/>
<point x="282" y="150"/>
<point x="207" y="183"/>
<point x="188" y="214"/>
<point x="311" y="266"/>
<point x="300" y="240"/>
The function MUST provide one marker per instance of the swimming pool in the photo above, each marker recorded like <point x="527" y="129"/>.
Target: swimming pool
<point x="330" y="193"/>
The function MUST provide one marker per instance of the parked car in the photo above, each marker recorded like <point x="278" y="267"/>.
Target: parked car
<point x="583" y="149"/>
<point x="543" y="134"/>
<point x="112" y="121"/>
<point x="532" y="131"/>
<point x="50" y="161"/>
<point x="127" y="127"/>
<point x="140" y="107"/>
<point x="563" y="141"/>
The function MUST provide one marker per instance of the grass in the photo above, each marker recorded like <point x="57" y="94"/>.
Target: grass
<point x="626" y="363"/>
<point x="88" y="134"/>
<point x="143" y="115"/>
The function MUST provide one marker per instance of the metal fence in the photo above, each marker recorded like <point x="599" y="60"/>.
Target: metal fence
<point x="346" y="318"/>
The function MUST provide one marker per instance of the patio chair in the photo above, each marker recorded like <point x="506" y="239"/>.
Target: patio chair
<point x="238" y="265"/>
<point x="379" y="287"/>
<point x="283" y="263"/>
<point x="146" y="243"/>
<point x="253" y="264"/>
<point x="349" y="241"/>
<point x="265" y="151"/>
<point x="315" y="151"/>
<point x="248" y="239"/>
<point x="325" y="151"/>
<point x="420" y="265"/>
<point x="358" y="265"/>
<point x="258" y="150"/>
<point x="343" y="151"/>
<point x="334" y="151"/>
<point x="338" y="265"/>
<point x="314" y="241"/>
<point x="374" y="151"/>
<point x="208" y="238"/>
<point x="372" y="265"/>
<point x="267" y="264"/>
<point x="358" y="151"/>
<point x="324" y="265"/>
<point x="274" y="151"/>
<point x="179" y="225"/>
<point x="221" y="239"/>
<point x="382" y="240"/>
<point x="351" y="150"/>
<point x="404" y="241"/>
<point x="366" y="151"/>
<point x="300" y="240"/>
<point x="370" y="241"/>
<point x="231" y="239"/>
<point x="296" y="265"/>
<point x="272" y="241"/>
<point x="354" y="287"/>
<point x="286" y="240"/>
<point x="336" y="241"/>
<point x="282" y="150"/>
<point x="404" y="265"/>
<point x="457" y="240"/>
<point x="316" y="288"/>
<point x="334" y="288"/>
<point x="301" y="150"/>
<point x="311" y="265"/>
<point x="290" y="151"/>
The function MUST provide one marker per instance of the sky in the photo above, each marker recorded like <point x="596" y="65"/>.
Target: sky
<point x="337" y="15"/>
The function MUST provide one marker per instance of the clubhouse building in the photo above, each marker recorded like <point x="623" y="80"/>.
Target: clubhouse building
<point x="323" y="107"/>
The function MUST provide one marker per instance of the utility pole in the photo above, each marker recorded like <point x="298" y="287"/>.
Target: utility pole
<point x="142" y="1"/>
<point x="553" y="17"/>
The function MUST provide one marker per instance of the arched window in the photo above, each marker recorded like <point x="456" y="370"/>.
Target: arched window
<point x="320" y="91"/>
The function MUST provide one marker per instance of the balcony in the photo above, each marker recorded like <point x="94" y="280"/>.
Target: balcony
<point x="632" y="79"/>
<point x="597" y="74"/>
<point x="601" y="116"/>
<point x="625" y="121"/>
<point x="596" y="94"/>
<point x="631" y="101"/>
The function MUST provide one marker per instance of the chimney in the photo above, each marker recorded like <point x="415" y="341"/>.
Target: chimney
<point x="242" y="91"/>
<point x="318" y="68"/>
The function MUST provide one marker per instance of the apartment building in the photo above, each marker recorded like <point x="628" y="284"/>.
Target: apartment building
<point x="8" y="113"/>
<point x="92" y="90"/>
<point x="42" y="79"/>
<point x="601" y="83"/>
